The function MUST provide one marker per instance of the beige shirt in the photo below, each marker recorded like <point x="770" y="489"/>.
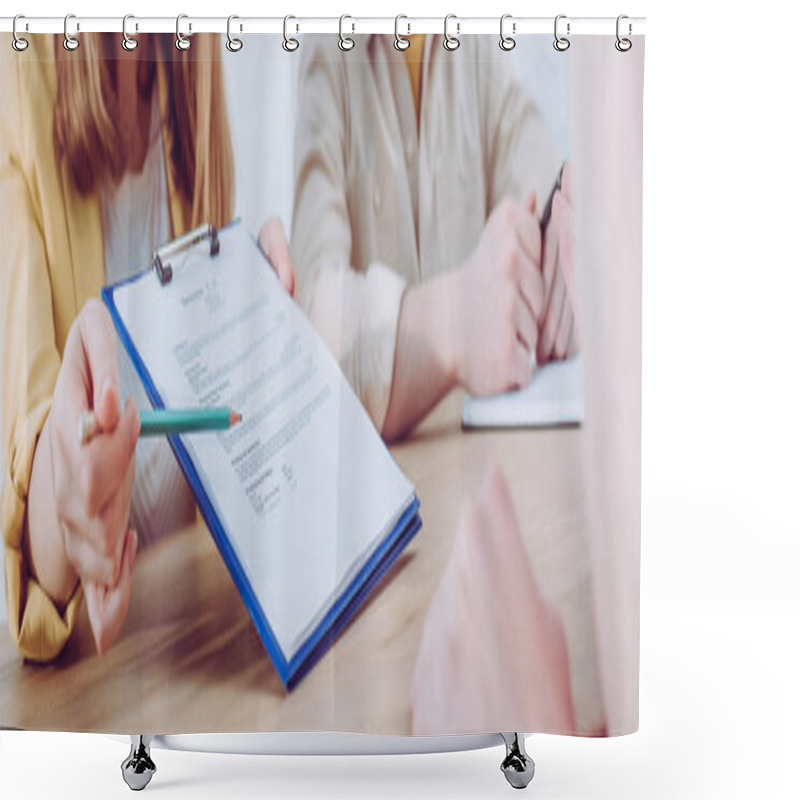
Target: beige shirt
<point x="380" y="203"/>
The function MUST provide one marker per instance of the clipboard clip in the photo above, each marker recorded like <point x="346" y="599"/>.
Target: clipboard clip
<point x="163" y="257"/>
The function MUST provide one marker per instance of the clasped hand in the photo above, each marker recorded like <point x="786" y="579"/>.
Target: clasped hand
<point x="516" y="295"/>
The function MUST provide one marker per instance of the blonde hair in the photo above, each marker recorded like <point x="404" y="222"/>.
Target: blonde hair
<point x="86" y="127"/>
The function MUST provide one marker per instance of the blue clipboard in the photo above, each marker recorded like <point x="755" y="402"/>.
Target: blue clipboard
<point x="291" y="671"/>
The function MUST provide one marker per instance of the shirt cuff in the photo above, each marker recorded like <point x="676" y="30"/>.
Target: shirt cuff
<point x="383" y="295"/>
<point x="357" y="315"/>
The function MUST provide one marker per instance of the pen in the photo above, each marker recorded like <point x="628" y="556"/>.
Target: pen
<point x="162" y="421"/>
<point x="548" y="208"/>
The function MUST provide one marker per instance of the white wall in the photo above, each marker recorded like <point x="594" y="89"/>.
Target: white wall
<point x="260" y="85"/>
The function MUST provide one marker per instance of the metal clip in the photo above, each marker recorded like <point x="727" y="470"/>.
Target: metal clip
<point x="561" y="43"/>
<point x="164" y="255"/>
<point x="18" y="43"/>
<point x="181" y="41"/>
<point x="623" y="44"/>
<point x="128" y="42"/>
<point x="401" y="42"/>
<point x="507" y="42"/>
<point x="451" y="42"/>
<point x="346" y="43"/>
<point x="290" y="44"/>
<point x="233" y="44"/>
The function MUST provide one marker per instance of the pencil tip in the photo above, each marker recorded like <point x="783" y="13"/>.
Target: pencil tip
<point x="236" y="418"/>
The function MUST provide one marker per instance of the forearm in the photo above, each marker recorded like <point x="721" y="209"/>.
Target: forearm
<point x="42" y="540"/>
<point x="425" y="354"/>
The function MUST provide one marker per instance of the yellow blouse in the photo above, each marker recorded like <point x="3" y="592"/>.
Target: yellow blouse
<point x="52" y="264"/>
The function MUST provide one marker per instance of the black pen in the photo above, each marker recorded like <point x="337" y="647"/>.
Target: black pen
<point x="548" y="208"/>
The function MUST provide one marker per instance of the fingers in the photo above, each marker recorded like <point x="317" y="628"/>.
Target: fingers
<point x="272" y="240"/>
<point x="100" y="351"/>
<point x="563" y="227"/>
<point x="574" y="343"/>
<point x="565" y="326"/>
<point x="525" y="323"/>
<point x="549" y="266"/>
<point x="531" y="286"/>
<point x="105" y="460"/>
<point x="528" y="231"/>
<point x="95" y="546"/>
<point x="552" y="319"/>
<point x="567" y="182"/>
<point x="549" y="274"/>
<point x="113" y="523"/>
<point x="108" y="606"/>
<point x="521" y="367"/>
<point x="87" y="561"/>
<point x="529" y="236"/>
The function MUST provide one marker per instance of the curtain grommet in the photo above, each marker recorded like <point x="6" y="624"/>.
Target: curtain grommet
<point x="18" y="43"/>
<point x="233" y="44"/>
<point x="71" y="43"/>
<point x="290" y="44"/>
<point x="182" y="42"/>
<point x="623" y="44"/>
<point x="451" y="43"/>
<point x="401" y="43"/>
<point x="128" y="42"/>
<point x="561" y="43"/>
<point x="346" y="43"/>
<point x="507" y="43"/>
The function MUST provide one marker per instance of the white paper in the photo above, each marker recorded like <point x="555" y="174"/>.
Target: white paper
<point x="553" y="397"/>
<point x="303" y="486"/>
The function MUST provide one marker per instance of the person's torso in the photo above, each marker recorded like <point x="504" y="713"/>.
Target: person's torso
<point x="416" y="190"/>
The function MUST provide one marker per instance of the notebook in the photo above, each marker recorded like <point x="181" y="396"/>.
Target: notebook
<point x="305" y="503"/>
<point x="553" y="397"/>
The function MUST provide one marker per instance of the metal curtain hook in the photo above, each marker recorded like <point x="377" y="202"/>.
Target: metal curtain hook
<point x="623" y="44"/>
<point x="451" y="42"/>
<point x="70" y="42"/>
<point x="345" y="42"/>
<point x="561" y="43"/>
<point x="181" y="42"/>
<point x="507" y="42"/>
<point x="18" y="43"/>
<point x="233" y="44"/>
<point x="128" y="42"/>
<point x="289" y="44"/>
<point x="401" y="42"/>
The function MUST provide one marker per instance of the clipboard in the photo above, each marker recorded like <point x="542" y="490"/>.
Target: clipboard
<point x="290" y="669"/>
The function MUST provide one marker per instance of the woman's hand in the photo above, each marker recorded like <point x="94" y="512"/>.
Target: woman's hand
<point x="558" y="335"/>
<point x="272" y="241"/>
<point x="80" y="528"/>
<point x="500" y="296"/>
<point x="493" y="654"/>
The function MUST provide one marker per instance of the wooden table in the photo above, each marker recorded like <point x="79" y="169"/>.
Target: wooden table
<point x="189" y="659"/>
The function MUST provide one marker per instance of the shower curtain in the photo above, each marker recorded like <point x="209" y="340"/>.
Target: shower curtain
<point x="414" y="281"/>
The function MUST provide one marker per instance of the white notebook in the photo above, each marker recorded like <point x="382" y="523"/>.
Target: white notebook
<point x="553" y="397"/>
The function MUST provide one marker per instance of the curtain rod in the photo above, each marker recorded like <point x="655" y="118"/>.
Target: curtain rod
<point x="299" y="25"/>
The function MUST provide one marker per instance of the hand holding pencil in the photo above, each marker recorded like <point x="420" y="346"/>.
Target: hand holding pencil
<point x="79" y="498"/>
<point x="160" y="422"/>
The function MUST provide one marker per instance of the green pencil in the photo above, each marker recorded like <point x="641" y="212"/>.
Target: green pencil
<point x="162" y="421"/>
